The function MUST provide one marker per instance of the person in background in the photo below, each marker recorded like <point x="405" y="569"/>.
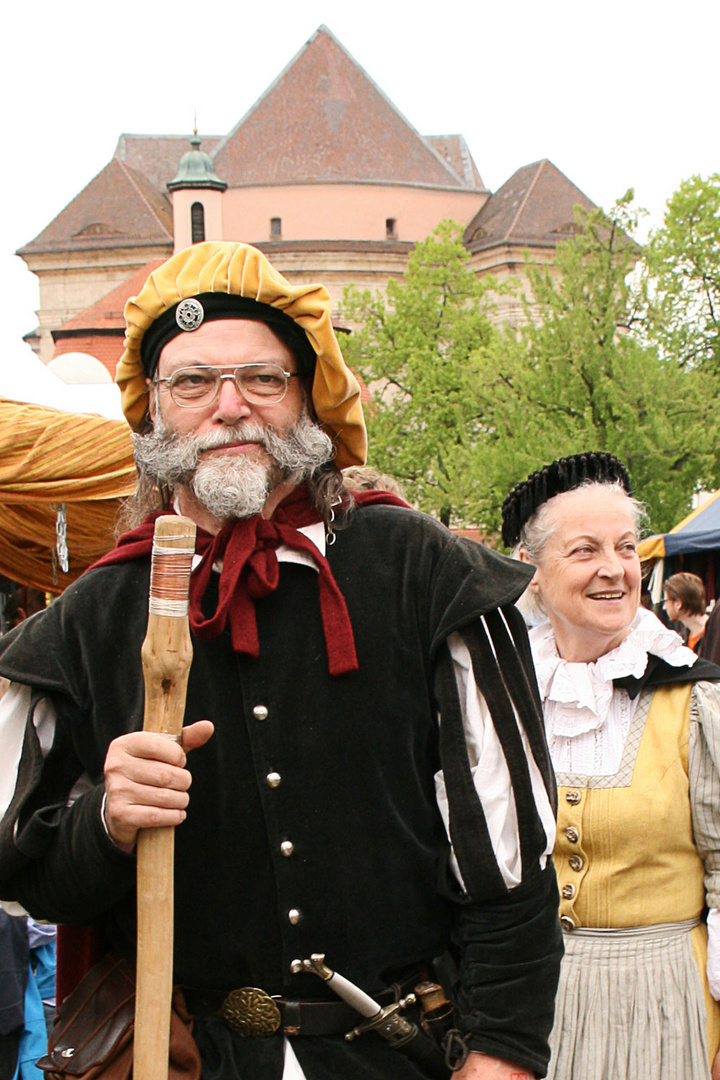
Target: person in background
<point x="685" y="603"/>
<point x="368" y="478"/>
<point x="633" y="723"/>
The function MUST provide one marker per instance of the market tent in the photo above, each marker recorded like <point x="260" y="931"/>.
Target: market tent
<point x="50" y="460"/>
<point x="699" y="531"/>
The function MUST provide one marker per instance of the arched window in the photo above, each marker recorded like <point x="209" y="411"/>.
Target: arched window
<point x="197" y="222"/>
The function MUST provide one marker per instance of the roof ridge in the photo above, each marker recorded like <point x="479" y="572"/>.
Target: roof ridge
<point x="323" y="29"/>
<point x="525" y="198"/>
<point x="129" y="176"/>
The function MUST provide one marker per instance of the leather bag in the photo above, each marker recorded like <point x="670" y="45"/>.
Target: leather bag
<point x="93" y="1034"/>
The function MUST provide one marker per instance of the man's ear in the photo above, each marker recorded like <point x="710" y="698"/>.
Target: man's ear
<point x="151" y="400"/>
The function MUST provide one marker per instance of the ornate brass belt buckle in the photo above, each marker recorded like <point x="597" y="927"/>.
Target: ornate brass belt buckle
<point x="251" y="1012"/>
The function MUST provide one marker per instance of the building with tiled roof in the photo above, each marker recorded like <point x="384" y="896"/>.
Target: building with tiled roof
<point x="323" y="173"/>
<point x="100" y="329"/>
<point x="528" y="215"/>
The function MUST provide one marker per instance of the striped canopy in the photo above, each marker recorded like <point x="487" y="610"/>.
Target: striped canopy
<point x="699" y="531"/>
<point x="50" y="459"/>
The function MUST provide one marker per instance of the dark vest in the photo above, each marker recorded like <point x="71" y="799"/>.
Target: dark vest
<point x="313" y="825"/>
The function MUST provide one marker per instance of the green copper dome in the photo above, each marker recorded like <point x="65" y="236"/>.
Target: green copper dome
<point x="196" y="170"/>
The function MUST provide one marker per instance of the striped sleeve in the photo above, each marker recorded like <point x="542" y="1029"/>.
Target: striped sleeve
<point x="495" y="790"/>
<point x="704" y="775"/>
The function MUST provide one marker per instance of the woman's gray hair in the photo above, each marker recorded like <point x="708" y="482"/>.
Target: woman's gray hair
<point x="537" y="531"/>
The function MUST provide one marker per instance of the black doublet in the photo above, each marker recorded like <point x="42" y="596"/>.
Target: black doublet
<point x="341" y="768"/>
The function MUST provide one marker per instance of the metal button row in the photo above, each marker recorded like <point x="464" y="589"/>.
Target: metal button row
<point x="273" y="780"/>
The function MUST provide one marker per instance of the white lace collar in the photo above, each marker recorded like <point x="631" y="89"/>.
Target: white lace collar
<point x="577" y="697"/>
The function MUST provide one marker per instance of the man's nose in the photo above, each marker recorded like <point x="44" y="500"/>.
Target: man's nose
<point x="230" y="405"/>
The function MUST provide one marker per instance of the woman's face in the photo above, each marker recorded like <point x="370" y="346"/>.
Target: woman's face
<point x="589" y="576"/>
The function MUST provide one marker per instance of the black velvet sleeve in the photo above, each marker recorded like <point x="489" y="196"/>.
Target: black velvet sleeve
<point x="80" y="874"/>
<point x="55" y="856"/>
<point x="508" y="940"/>
<point x="510" y="952"/>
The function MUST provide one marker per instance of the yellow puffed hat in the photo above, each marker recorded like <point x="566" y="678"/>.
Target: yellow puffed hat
<point x="242" y="270"/>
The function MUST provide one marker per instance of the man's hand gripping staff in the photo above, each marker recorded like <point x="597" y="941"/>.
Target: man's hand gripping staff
<point x="166" y="658"/>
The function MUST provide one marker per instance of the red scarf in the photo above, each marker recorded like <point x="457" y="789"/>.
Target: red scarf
<point x="247" y="550"/>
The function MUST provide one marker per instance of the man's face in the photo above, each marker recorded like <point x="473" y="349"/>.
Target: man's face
<point x="225" y="344"/>
<point x="231" y="458"/>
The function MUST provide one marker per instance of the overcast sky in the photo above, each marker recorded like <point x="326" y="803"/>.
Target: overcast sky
<point x="617" y="94"/>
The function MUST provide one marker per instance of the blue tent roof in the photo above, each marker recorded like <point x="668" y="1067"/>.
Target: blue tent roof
<point x="699" y="532"/>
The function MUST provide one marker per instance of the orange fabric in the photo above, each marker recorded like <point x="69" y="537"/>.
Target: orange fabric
<point x="47" y="458"/>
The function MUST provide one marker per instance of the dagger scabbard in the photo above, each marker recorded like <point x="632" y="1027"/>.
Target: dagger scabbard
<point x="166" y="659"/>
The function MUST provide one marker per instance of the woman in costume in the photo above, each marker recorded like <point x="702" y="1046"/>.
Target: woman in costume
<point x="633" y="724"/>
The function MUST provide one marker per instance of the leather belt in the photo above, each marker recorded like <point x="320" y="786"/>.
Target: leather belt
<point x="254" y="1014"/>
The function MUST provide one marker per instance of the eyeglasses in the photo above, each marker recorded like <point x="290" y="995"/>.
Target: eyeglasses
<point x="259" y="384"/>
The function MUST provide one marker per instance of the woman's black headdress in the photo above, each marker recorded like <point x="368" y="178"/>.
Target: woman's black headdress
<point x="565" y="474"/>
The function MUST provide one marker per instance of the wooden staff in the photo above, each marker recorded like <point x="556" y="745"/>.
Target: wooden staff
<point x="166" y="659"/>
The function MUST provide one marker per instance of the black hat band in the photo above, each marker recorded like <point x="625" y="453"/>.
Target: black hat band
<point x="192" y="312"/>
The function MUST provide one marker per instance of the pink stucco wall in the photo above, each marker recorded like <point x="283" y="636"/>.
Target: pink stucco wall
<point x="342" y="211"/>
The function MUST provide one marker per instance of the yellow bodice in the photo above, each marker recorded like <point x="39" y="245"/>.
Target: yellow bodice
<point x="625" y="855"/>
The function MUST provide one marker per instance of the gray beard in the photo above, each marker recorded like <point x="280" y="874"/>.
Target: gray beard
<point x="232" y="486"/>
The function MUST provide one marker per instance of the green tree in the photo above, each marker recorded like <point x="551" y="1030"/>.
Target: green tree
<point x="684" y="276"/>
<point x="418" y="349"/>
<point x="577" y="377"/>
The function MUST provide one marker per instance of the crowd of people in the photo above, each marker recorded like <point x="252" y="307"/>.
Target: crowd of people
<point x="507" y="843"/>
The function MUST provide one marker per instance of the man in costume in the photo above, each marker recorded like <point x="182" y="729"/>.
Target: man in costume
<point x="369" y="774"/>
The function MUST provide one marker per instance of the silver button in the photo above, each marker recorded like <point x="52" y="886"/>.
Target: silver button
<point x="286" y="848"/>
<point x="575" y="862"/>
<point x="294" y="916"/>
<point x="273" y="779"/>
<point x="260" y="712"/>
<point x="568" y="892"/>
<point x="572" y="834"/>
<point x="567" y="923"/>
<point x="573" y="797"/>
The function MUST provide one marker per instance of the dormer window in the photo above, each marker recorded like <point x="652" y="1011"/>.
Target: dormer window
<point x="275" y="228"/>
<point x="197" y="222"/>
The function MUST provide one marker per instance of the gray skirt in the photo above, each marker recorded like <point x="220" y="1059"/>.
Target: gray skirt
<point x="630" y="1006"/>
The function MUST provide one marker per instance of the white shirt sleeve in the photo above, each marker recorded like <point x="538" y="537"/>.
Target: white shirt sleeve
<point x="491" y="776"/>
<point x="14" y="708"/>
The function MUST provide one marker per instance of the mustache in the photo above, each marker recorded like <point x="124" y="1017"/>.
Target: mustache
<point x="243" y="431"/>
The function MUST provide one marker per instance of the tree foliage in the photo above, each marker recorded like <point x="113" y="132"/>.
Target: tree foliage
<point x="415" y="349"/>
<point x="684" y="270"/>
<point x="462" y="410"/>
<point x="577" y="377"/>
